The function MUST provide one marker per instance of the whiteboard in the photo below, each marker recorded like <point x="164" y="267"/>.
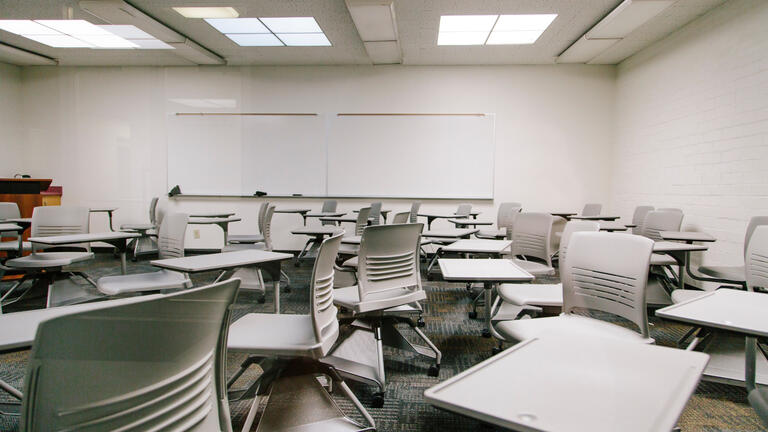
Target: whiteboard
<point x="240" y="154"/>
<point x="337" y="155"/>
<point x="411" y="156"/>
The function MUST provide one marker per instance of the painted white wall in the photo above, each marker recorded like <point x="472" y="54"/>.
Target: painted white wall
<point x="692" y="126"/>
<point x="10" y="119"/>
<point x="101" y="132"/>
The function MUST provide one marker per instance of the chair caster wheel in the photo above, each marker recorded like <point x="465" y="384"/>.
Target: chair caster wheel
<point x="378" y="400"/>
<point x="486" y="333"/>
<point x="287" y="289"/>
<point x="473" y="314"/>
<point x="434" y="371"/>
<point x="420" y="322"/>
<point x="496" y="350"/>
<point x="261" y="300"/>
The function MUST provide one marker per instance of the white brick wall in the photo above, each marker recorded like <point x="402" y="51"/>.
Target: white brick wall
<point x="692" y="125"/>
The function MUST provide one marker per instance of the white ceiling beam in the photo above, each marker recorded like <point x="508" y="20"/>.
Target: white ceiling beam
<point x="16" y="56"/>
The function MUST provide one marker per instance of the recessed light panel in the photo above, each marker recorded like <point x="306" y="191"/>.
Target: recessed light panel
<point x="492" y="29"/>
<point x="26" y="27"/>
<point x="274" y="31"/>
<point x="73" y="27"/>
<point x="238" y="25"/>
<point x="59" y="41"/>
<point x="207" y="12"/>
<point x="256" y="39"/>
<point x="81" y="34"/>
<point x="292" y="25"/>
<point x="304" y="39"/>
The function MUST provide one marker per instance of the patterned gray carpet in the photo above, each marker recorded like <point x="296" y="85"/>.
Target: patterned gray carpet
<point x="714" y="407"/>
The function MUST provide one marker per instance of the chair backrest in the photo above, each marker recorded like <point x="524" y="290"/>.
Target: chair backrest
<point x="757" y="259"/>
<point x="362" y="220"/>
<point x="159" y="213"/>
<point x="670" y="209"/>
<point x="754" y="222"/>
<point x="157" y="364"/>
<point x="389" y="259"/>
<point x="463" y="210"/>
<point x="60" y="220"/>
<point x="639" y="217"/>
<point x="415" y="206"/>
<point x="572" y="227"/>
<point x="153" y="211"/>
<point x="9" y="210"/>
<point x="267" y="232"/>
<point x="657" y="221"/>
<point x="508" y="212"/>
<point x="592" y="209"/>
<point x="329" y="206"/>
<point x="608" y="272"/>
<point x="375" y="214"/>
<point x="324" y="322"/>
<point x="401" y="217"/>
<point x="170" y="236"/>
<point x="262" y="213"/>
<point x="531" y="236"/>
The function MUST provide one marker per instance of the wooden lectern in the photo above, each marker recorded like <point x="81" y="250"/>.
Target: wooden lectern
<point x="25" y="192"/>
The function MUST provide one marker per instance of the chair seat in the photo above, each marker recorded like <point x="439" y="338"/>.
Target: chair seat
<point x="44" y="260"/>
<point x="349" y="249"/>
<point x="274" y="335"/>
<point x="532" y="294"/>
<point x="349" y="298"/>
<point x="681" y="295"/>
<point x="535" y="268"/>
<point x="352" y="262"/>
<point x="658" y="259"/>
<point x="154" y="281"/>
<point x="13" y="245"/>
<point x="730" y="273"/>
<point x="569" y="324"/>
<point x="137" y="227"/>
<point x="243" y="246"/>
<point x="491" y="233"/>
<point x="246" y="238"/>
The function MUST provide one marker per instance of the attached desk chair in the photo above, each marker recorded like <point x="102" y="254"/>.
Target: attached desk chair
<point x="505" y="220"/>
<point x="531" y="239"/>
<point x="259" y="236"/>
<point x="638" y="217"/>
<point x="462" y="211"/>
<point x="145" y="245"/>
<point x="287" y="348"/>
<point x="15" y="246"/>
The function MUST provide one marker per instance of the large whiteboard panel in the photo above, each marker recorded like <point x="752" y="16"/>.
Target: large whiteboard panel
<point x="411" y="156"/>
<point x="240" y="154"/>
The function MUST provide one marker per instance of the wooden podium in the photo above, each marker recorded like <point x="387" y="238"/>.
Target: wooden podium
<point x="27" y="193"/>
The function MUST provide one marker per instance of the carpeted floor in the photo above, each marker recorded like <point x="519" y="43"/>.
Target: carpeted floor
<point x="714" y="407"/>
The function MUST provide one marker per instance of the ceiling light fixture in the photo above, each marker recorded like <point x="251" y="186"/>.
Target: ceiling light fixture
<point x="207" y="12"/>
<point x="492" y="29"/>
<point x="82" y="34"/>
<point x="273" y="31"/>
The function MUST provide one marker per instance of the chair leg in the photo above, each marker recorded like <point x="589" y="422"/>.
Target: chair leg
<point x="251" y="414"/>
<point x="378" y="398"/>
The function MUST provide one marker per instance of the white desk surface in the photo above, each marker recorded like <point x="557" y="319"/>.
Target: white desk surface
<point x="9" y="227"/>
<point x="450" y="232"/>
<point x="725" y="309"/>
<point x="357" y="239"/>
<point x="687" y="236"/>
<point x="668" y="246"/>
<point x="20" y="328"/>
<point x="213" y="220"/>
<point x="482" y="270"/>
<point x="325" y="214"/>
<point x="103" y="209"/>
<point x="220" y="261"/>
<point x="557" y="384"/>
<point x="225" y="214"/>
<point x="611" y="226"/>
<point x="479" y="246"/>
<point x="473" y="222"/>
<point x="19" y="220"/>
<point x="321" y="230"/>
<point x="596" y="218"/>
<point x="83" y="238"/>
<point x="293" y="210"/>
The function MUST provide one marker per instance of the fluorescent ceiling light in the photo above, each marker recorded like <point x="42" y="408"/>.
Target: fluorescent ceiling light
<point x="257" y="39"/>
<point x="26" y="27"/>
<point x="513" y="37"/>
<point x="292" y="25"/>
<point x="627" y="17"/>
<point x="59" y="41"/>
<point x="304" y="39"/>
<point x="461" y="38"/>
<point x="73" y="27"/>
<point x="127" y="31"/>
<point x="207" y="12"/>
<point x="238" y="25"/>
<point x="107" y="41"/>
<point x="492" y="29"/>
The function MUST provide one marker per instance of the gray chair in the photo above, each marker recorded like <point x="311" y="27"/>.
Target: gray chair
<point x="375" y="214"/>
<point x="638" y="217"/>
<point x="505" y="221"/>
<point x="329" y="206"/>
<point x="463" y="210"/>
<point x="605" y="272"/>
<point x="156" y="364"/>
<point x="49" y="265"/>
<point x="415" y="206"/>
<point x="592" y="209"/>
<point x="531" y="240"/>
<point x="401" y="217"/>
<point x="670" y="209"/>
<point x="287" y="348"/>
<point x="252" y="238"/>
<point x="145" y="244"/>
<point x="531" y="298"/>
<point x="757" y="279"/>
<point x="10" y="210"/>
<point x="170" y="242"/>
<point x="388" y="291"/>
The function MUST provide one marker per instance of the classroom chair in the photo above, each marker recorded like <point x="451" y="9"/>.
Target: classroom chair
<point x="638" y="217"/>
<point x="604" y="272"/>
<point x="329" y="206"/>
<point x="756" y="272"/>
<point x="531" y="246"/>
<point x="287" y="348"/>
<point x="401" y="217"/>
<point x="415" y="206"/>
<point x="388" y="292"/>
<point x="156" y="364"/>
<point x="145" y="244"/>
<point x="592" y="209"/>
<point x="375" y="214"/>
<point x="252" y="238"/>
<point x="505" y="219"/>
<point x="170" y="244"/>
<point x="10" y="210"/>
<point x="463" y="210"/>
